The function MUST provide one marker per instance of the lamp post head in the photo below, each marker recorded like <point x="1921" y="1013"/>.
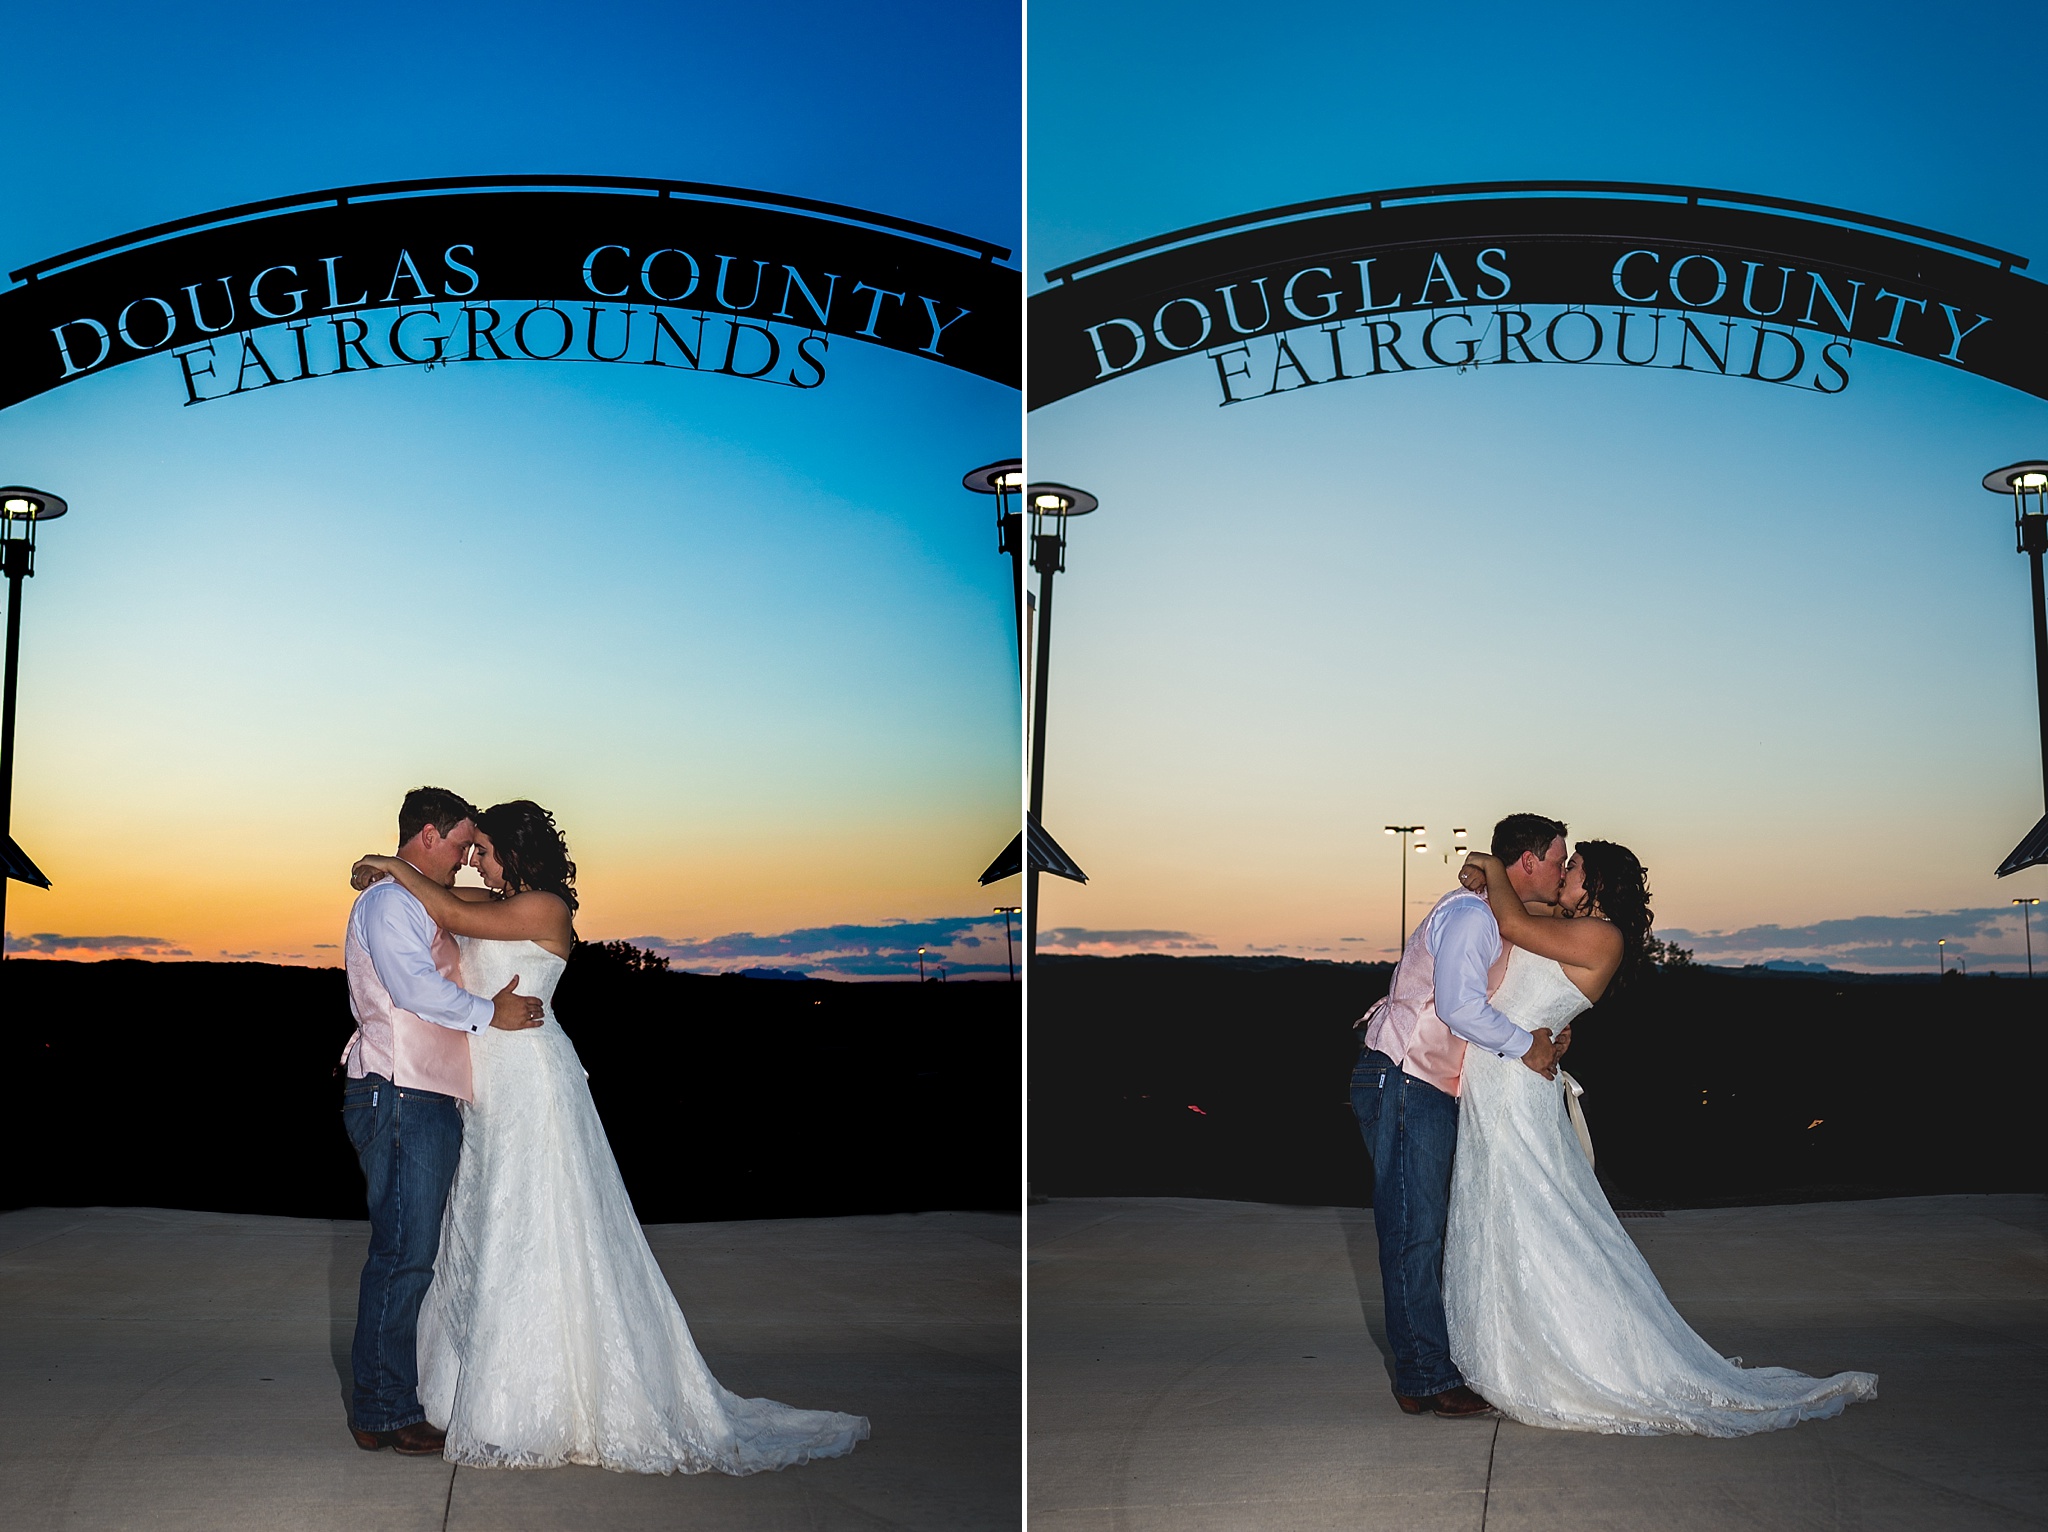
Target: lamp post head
<point x="2027" y="483"/>
<point x="1059" y="504"/>
<point x="1003" y="480"/>
<point x="999" y="479"/>
<point x="21" y="510"/>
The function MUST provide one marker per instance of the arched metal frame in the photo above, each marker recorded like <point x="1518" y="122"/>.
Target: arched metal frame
<point x="1800" y="275"/>
<point x="355" y="267"/>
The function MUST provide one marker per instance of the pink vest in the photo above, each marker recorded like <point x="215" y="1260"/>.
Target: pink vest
<point x="1405" y="1026"/>
<point x="396" y="1044"/>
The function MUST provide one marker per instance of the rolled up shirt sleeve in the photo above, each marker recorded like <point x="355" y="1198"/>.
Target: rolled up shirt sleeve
<point x="1464" y="941"/>
<point x="399" y="935"/>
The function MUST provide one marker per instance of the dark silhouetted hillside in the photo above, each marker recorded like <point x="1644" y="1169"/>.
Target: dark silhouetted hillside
<point x="213" y="1086"/>
<point x="1227" y="1077"/>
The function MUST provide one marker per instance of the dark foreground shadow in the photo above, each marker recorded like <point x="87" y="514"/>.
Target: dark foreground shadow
<point x="1362" y="1248"/>
<point x="345" y="1252"/>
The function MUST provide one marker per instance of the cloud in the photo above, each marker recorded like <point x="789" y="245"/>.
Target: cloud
<point x="960" y="945"/>
<point x="1110" y="943"/>
<point x="52" y="944"/>
<point x="1982" y="937"/>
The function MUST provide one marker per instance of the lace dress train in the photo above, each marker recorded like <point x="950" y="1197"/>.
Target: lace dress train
<point x="549" y="1335"/>
<point x="1554" y="1315"/>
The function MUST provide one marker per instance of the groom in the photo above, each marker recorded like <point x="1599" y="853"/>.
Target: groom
<point x="1405" y="1095"/>
<point x="408" y="1064"/>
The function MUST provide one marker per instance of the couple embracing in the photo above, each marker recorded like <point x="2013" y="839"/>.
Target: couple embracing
<point x="511" y="1314"/>
<point x="1510" y="1285"/>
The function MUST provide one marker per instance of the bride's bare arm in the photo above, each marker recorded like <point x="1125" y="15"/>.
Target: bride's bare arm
<point x="530" y="916"/>
<point x="1590" y="944"/>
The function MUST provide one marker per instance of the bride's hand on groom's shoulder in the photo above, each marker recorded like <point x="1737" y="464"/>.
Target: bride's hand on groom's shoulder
<point x="365" y="872"/>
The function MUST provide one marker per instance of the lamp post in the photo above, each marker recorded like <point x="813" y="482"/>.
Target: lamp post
<point x="1009" y="946"/>
<point x="1052" y="506"/>
<point x="2026" y="925"/>
<point x="1941" y="955"/>
<point x="1005" y="480"/>
<point x="2027" y="483"/>
<point x="920" y="965"/>
<point x="22" y="510"/>
<point x="1404" y="831"/>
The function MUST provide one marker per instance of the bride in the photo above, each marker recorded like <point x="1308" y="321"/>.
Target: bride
<point x="549" y="1335"/>
<point x="1554" y="1314"/>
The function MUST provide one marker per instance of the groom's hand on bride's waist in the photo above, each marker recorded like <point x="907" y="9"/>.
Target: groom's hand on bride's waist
<point x="1543" y="1053"/>
<point x="514" y="1013"/>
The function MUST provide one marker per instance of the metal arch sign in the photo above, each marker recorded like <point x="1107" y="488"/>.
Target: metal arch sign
<point x="1519" y="273"/>
<point x="709" y="279"/>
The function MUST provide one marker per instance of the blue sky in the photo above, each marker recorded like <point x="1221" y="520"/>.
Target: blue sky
<point x="1778" y="643"/>
<point x="752" y="645"/>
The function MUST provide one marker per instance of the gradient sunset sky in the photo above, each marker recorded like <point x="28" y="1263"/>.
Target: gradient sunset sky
<point x="1778" y="643"/>
<point x="754" y="646"/>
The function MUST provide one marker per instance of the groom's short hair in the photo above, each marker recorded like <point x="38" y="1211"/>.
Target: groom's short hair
<point x="434" y="806"/>
<point x="1525" y="832"/>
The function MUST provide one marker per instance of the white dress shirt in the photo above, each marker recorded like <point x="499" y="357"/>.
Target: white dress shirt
<point x="398" y="933"/>
<point x="1464" y="942"/>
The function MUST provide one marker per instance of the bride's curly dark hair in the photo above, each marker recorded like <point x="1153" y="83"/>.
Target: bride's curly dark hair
<point x="530" y="849"/>
<point x="1621" y="889"/>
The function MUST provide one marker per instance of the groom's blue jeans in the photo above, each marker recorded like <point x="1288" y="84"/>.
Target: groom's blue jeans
<point x="407" y="1142"/>
<point x="1411" y="1131"/>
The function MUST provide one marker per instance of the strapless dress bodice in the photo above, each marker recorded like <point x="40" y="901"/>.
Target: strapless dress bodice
<point x="486" y="965"/>
<point x="1533" y="993"/>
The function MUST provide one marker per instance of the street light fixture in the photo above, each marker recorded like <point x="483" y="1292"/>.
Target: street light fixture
<point x="1051" y="507"/>
<point x="1005" y="480"/>
<point x="1009" y="946"/>
<point x="2026" y="908"/>
<point x="1404" y="831"/>
<point x="2027" y="483"/>
<point x="1941" y="955"/>
<point x="22" y="510"/>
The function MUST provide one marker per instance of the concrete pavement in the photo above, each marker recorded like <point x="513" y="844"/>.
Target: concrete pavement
<point x="187" y="1372"/>
<point x="1221" y="1365"/>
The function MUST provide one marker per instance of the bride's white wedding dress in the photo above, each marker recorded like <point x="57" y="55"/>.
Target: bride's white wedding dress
<point x="1554" y="1315"/>
<point x="549" y="1335"/>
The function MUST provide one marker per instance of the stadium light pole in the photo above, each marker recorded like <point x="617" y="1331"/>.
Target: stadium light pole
<point x="1051" y="506"/>
<point x="2026" y="908"/>
<point x="22" y="510"/>
<point x="1404" y="831"/>
<point x="1005" y="480"/>
<point x="1009" y="945"/>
